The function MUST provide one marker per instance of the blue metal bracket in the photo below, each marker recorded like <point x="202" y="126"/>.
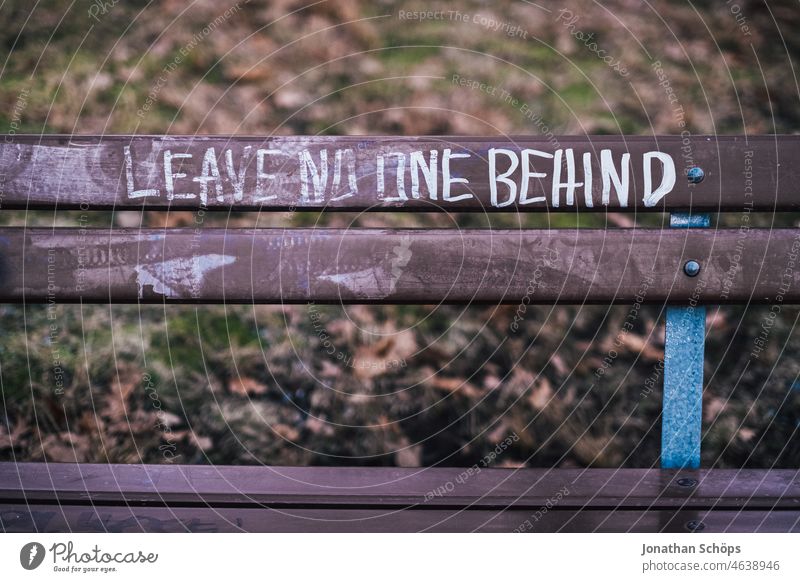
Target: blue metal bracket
<point x="682" y="407"/>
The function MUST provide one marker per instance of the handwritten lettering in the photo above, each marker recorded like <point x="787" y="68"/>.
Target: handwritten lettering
<point x="318" y="176"/>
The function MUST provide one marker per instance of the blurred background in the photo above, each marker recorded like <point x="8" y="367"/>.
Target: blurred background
<point x="395" y="386"/>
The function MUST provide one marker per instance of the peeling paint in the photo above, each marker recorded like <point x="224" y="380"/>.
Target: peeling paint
<point x="181" y="277"/>
<point x="362" y="283"/>
<point x="376" y="282"/>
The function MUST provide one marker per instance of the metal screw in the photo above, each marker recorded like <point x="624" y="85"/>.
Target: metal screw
<point x="695" y="525"/>
<point x="687" y="482"/>
<point x="691" y="268"/>
<point x="695" y="175"/>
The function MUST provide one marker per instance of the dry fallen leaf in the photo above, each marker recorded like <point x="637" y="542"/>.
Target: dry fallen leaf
<point x="116" y="405"/>
<point x="558" y="363"/>
<point x="746" y="434"/>
<point x="287" y="432"/>
<point x="409" y="456"/>
<point x="638" y="345"/>
<point x="456" y="385"/>
<point x="329" y="370"/>
<point x="14" y="438"/>
<point x="202" y="442"/>
<point x="492" y="382"/>
<point x="501" y="431"/>
<point x="716" y="321"/>
<point x="712" y="407"/>
<point x="66" y="447"/>
<point x="388" y="354"/>
<point x="541" y="394"/>
<point x="317" y="426"/>
<point x="246" y="386"/>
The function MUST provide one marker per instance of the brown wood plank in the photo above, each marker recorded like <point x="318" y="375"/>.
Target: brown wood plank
<point x="395" y="487"/>
<point x="40" y="265"/>
<point x="344" y="173"/>
<point x="71" y="518"/>
<point x="173" y="498"/>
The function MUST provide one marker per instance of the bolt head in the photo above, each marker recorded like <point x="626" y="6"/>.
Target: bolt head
<point x="687" y="482"/>
<point x="695" y="175"/>
<point x="695" y="525"/>
<point x="691" y="268"/>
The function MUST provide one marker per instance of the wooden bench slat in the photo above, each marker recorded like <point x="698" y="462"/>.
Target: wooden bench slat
<point x="273" y="173"/>
<point x="40" y="265"/>
<point x="114" y="483"/>
<point x="82" y="519"/>
<point x="71" y="497"/>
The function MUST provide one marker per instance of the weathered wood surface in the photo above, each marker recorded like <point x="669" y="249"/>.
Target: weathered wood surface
<point x="397" y="266"/>
<point x="380" y="173"/>
<point x="70" y="497"/>
<point x="73" y="518"/>
<point x="102" y="483"/>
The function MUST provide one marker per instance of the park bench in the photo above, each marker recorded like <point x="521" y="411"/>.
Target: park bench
<point x="684" y="267"/>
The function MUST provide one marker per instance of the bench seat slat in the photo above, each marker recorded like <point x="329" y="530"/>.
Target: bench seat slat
<point x="80" y="519"/>
<point x="41" y="265"/>
<point x="108" y="483"/>
<point x="79" y="497"/>
<point x="276" y="173"/>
